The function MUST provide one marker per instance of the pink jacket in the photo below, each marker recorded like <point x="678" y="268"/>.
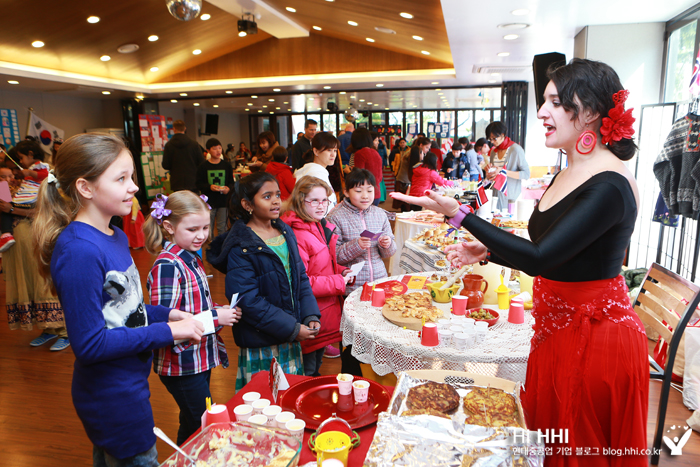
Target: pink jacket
<point x="317" y="247"/>
<point x="423" y="179"/>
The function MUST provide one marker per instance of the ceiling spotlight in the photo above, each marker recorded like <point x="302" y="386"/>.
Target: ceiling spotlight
<point x="271" y="112"/>
<point x="510" y="37"/>
<point x="183" y="94"/>
<point x="37" y="44"/>
<point x="369" y="103"/>
<point x="289" y="110"/>
<point x="380" y="85"/>
<point x="250" y="103"/>
<point x="216" y="106"/>
<point x="247" y="110"/>
<point x="271" y="100"/>
<point x="362" y="100"/>
<point x="376" y="105"/>
<point x="326" y="87"/>
<point x="418" y="38"/>
<point x="425" y="52"/>
<point x="352" y="23"/>
<point x="105" y="58"/>
<point x="139" y="97"/>
<point x="254" y="97"/>
<point x="229" y="92"/>
<point x="316" y="28"/>
<point x="174" y="101"/>
<point x="154" y="68"/>
<point x="520" y="12"/>
<point x="435" y="82"/>
<point x="286" y="102"/>
<point x="196" y="52"/>
<point x="259" y="111"/>
<point x="341" y="92"/>
<point x="290" y="9"/>
<point x="196" y="104"/>
<point x="277" y="108"/>
<point x="106" y="93"/>
<point x="242" y="34"/>
<point x="264" y="107"/>
<point x="503" y="54"/>
<point x="93" y="19"/>
<point x="406" y="15"/>
<point x="369" y="39"/>
<point x="205" y="17"/>
<point x="152" y="38"/>
<point x="277" y="89"/>
<point x="247" y="25"/>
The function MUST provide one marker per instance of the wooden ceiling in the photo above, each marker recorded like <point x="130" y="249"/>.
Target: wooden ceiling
<point x="74" y="45"/>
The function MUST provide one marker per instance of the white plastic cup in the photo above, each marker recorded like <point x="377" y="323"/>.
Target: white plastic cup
<point x="271" y="412"/>
<point x="445" y="336"/>
<point x="468" y="322"/>
<point x="456" y="329"/>
<point x="360" y="389"/>
<point x="282" y="418"/>
<point x="260" y="405"/>
<point x="458" y="319"/>
<point x="481" y="325"/>
<point x="258" y="419"/>
<point x="296" y="428"/>
<point x="345" y="383"/>
<point x="243" y="412"/>
<point x="250" y="397"/>
<point x="461" y="340"/>
<point x="444" y="323"/>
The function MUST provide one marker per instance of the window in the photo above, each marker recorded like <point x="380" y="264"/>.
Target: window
<point x="412" y="118"/>
<point x="465" y="119"/>
<point x="283" y="130"/>
<point x="362" y="121"/>
<point x="429" y="117"/>
<point x="483" y="118"/>
<point x="396" y="118"/>
<point x="329" y="123"/>
<point x="679" y="64"/>
<point x="378" y="118"/>
<point x="447" y="116"/>
<point x="297" y="125"/>
<point x="496" y="116"/>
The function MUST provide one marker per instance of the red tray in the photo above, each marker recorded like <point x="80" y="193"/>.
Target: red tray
<point x="392" y="288"/>
<point x="317" y="399"/>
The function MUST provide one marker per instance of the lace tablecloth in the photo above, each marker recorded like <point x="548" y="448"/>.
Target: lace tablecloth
<point x="390" y="349"/>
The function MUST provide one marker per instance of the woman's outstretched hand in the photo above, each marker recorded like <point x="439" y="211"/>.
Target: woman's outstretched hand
<point x="465" y="253"/>
<point x="433" y="201"/>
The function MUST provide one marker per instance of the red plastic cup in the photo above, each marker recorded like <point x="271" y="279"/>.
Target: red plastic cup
<point x="459" y="305"/>
<point x="378" y="297"/>
<point x="516" y="313"/>
<point x="366" y="293"/>
<point x="218" y="414"/>
<point x="429" y="335"/>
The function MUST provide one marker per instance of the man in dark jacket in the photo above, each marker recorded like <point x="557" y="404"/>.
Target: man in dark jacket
<point x="182" y="157"/>
<point x="303" y="145"/>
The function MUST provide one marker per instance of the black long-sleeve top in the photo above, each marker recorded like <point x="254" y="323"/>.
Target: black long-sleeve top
<point x="581" y="238"/>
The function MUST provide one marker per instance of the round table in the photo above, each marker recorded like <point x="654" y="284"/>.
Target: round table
<point x="405" y="228"/>
<point x="391" y="349"/>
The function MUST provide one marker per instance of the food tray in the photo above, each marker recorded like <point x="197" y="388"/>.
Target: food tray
<point x="248" y="439"/>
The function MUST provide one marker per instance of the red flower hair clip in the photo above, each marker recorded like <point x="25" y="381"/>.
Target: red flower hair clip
<point x="618" y="124"/>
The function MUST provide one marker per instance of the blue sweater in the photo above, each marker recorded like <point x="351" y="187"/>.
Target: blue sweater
<point x="108" y="327"/>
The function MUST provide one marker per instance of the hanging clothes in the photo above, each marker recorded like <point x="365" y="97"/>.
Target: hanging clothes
<point x="662" y="215"/>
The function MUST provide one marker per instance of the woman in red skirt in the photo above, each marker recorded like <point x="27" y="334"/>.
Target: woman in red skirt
<point x="587" y="374"/>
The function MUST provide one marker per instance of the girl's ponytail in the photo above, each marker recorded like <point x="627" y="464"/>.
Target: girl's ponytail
<point x="154" y="235"/>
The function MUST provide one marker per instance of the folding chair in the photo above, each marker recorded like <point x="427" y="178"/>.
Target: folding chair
<point x="665" y="296"/>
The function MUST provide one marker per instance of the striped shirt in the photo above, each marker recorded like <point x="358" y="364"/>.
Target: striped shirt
<point x="178" y="280"/>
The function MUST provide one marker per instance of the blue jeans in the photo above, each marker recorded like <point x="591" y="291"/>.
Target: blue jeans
<point x="146" y="459"/>
<point x="312" y="362"/>
<point x="190" y="392"/>
<point x="473" y="177"/>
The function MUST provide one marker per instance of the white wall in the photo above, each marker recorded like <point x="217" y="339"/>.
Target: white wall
<point x="233" y="127"/>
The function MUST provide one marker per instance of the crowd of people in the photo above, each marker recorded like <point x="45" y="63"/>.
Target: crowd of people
<point x="286" y="237"/>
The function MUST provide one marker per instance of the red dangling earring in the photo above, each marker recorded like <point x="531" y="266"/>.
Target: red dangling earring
<point x="586" y="142"/>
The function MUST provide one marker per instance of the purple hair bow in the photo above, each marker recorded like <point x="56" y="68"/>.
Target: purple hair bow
<point x="205" y="199"/>
<point x="159" y="211"/>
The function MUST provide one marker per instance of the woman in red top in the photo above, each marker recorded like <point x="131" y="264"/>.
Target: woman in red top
<point x="366" y="157"/>
<point x="308" y="207"/>
<point x="425" y="176"/>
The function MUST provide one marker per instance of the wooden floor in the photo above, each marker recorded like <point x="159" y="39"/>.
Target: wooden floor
<point x="39" y="427"/>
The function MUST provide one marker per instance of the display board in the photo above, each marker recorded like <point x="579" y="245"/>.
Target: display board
<point x="9" y="126"/>
<point x="439" y="130"/>
<point x="154" y="135"/>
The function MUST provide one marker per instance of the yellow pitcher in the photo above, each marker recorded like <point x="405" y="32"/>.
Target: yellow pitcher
<point x="332" y="445"/>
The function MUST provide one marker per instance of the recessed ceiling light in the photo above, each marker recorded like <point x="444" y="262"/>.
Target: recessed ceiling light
<point x="406" y="15"/>
<point x="229" y="92"/>
<point x="290" y="9"/>
<point x="386" y="108"/>
<point x="492" y="81"/>
<point x="254" y="97"/>
<point x="196" y="104"/>
<point x="425" y="52"/>
<point x="352" y="23"/>
<point x="520" y="12"/>
<point x="93" y="19"/>
<point x="154" y="68"/>
<point x="277" y="108"/>
<point x="270" y="100"/>
<point x="380" y="85"/>
<point x="311" y="98"/>
<point x="438" y="89"/>
<point x="503" y="54"/>
<point x="514" y="26"/>
<point x="510" y="37"/>
<point x="37" y="44"/>
<point x="286" y="102"/>
<point x="369" y="103"/>
<point x="362" y="100"/>
<point x="319" y="108"/>
<point x="277" y="89"/>
<point x="259" y="111"/>
<point x="271" y="112"/>
<point x="415" y="105"/>
<point x="139" y="96"/>
<point x="316" y="28"/>
<point x="435" y="82"/>
<point x="369" y="39"/>
<point x="105" y="58"/>
<point x="196" y="52"/>
<point x="289" y="110"/>
<point x="418" y="38"/>
<point x="216" y="106"/>
<point x="106" y="93"/>
<point x="250" y="103"/>
<point x="326" y="87"/>
<point x="247" y="110"/>
<point x="183" y="94"/>
<point x="174" y="101"/>
<point x="330" y="1"/>
<point x="495" y="74"/>
<point x="242" y="34"/>
<point x="264" y="107"/>
<point x="205" y="16"/>
<point x="440" y="93"/>
<point x="352" y="97"/>
<point x="152" y="38"/>
<point x="376" y="105"/>
<point x="341" y="92"/>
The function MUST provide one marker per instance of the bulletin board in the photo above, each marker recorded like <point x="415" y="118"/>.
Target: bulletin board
<point x="9" y="127"/>
<point x="154" y="135"/>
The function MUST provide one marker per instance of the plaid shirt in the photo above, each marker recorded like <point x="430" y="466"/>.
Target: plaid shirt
<point x="177" y="280"/>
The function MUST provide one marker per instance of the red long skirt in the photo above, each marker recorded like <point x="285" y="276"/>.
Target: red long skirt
<point x="134" y="230"/>
<point x="588" y="373"/>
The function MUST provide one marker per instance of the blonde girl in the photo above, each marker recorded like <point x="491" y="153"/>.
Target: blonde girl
<point x="177" y="280"/>
<point x="112" y="331"/>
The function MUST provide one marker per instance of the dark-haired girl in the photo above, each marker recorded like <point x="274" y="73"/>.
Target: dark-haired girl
<point x="365" y="156"/>
<point x="266" y="144"/>
<point x="425" y="176"/>
<point x="324" y="151"/>
<point x="587" y="371"/>
<point x="260" y="258"/>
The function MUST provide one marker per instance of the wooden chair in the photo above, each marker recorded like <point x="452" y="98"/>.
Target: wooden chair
<point x="665" y="296"/>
